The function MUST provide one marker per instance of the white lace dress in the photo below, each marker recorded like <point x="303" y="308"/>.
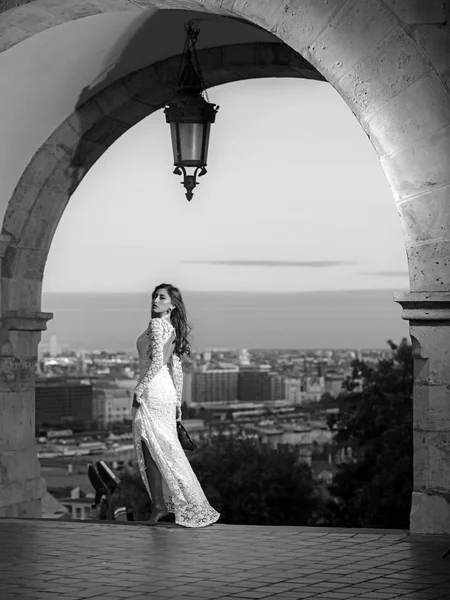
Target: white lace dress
<point x="155" y="425"/>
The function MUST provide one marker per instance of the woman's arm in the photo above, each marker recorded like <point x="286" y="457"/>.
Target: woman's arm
<point x="177" y="374"/>
<point x="157" y="359"/>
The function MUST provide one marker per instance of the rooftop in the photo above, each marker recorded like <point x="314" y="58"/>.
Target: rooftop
<point x="42" y="559"/>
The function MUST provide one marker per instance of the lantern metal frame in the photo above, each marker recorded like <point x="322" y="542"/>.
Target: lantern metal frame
<point x="190" y="105"/>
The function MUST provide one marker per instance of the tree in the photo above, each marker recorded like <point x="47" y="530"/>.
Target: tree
<point x="255" y="484"/>
<point x="375" y="422"/>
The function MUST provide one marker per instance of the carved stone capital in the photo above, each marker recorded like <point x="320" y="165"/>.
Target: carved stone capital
<point x="25" y="320"/>
<point x="424" y="306"/>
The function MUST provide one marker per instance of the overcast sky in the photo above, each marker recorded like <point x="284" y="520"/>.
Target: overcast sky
<point x="294" y="200"/>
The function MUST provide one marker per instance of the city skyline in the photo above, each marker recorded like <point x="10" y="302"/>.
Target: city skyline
<point x="272" y="214"/>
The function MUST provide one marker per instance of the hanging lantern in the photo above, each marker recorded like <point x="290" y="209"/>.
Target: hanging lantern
<point x="190" y="116"/>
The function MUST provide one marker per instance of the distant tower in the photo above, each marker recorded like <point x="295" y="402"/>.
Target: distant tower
<point x="83" y="364"/>
<point x="244" y="358"/>
<point x="54" y="350"/>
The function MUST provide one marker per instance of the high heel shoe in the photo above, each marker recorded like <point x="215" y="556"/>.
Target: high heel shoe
<point x="157" y="515"/>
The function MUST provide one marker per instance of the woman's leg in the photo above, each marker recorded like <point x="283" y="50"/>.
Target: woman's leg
<point x="154" y="478"/>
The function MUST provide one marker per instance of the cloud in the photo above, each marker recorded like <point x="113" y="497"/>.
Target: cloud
<point x="273" y="263"/>
<point x="386" y="273"/>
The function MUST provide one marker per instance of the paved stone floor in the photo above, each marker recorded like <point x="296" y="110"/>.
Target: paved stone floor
<point x="73" y="560"/>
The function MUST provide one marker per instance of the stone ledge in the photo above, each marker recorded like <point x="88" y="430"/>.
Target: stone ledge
<point x="424" y="306"/>
<point x="25" y="320"/>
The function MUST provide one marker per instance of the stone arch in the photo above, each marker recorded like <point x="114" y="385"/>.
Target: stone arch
<point x="388" y="59"/>
<point x="63" y="160"/>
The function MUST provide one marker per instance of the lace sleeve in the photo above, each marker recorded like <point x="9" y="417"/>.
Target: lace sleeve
<point x="157" y="355"/>
<point x="177" y="373"/>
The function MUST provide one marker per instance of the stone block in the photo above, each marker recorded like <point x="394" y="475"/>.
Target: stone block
<point x="429" y="266"/>
<point x="356" y="28"/>
<point x="63" y="141"/>
<point x="21" y="262"/>
<point x="131" y="113"/>
<point x="421" y="109"/>
<point x="21" y="293"/>
<point x="155" y="98"/>
<point x="70" y="10"/>
<point x="35" y="489"/>
<point x="39" y="168"/>
<point x="15" y="220"/>
<point x="17" y="413"/>
<point x="64" y="180"/>
<point x="24" y="195"/>
<point x="432" y="407"/>
<point x="388" y="69"/>
<point x="421" y="461"/>
<point x="438" y="445"/>
<point x="20" y="465"/>
<point x="38" y="234"/>
<point x="298" y="23"/>
<point x="228" y="74"/>
<point x="115" y="5"/>
<point x="421" y="167"/>
<point x="85" y="116"/>
<point x="418" y="11"/>
<point x="87" y="154"/>
<point x="12" y="494"/>
<point x="265" y="12"/>
<point x="34" y="509"/>
<point x="11" y="35"/>
<point x="106" y="132"/>
<point x="51" y="202"/>
<point x="25" y="342"/>
<point x="141" y="81"/>
<point x="427" y="217"/>
<point x="112" y="98"/>
<point x="434" y="340"/>
<point x="435" y="41"/>
<point x="34" y="19"/>
<point x="31" y="509"/>
<point x="430" y="513"/>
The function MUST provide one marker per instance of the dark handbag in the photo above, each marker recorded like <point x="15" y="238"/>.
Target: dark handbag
<point x="183" y="436"/>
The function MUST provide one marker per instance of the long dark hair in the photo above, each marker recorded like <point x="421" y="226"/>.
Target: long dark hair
<point x="178" y="317"/>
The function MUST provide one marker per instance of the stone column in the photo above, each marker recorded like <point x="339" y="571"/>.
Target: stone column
<point x="428" y="314"/>
<point x="21" y="485"/>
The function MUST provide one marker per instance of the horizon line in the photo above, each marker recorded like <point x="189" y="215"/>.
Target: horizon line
<point x="186" y="291"/>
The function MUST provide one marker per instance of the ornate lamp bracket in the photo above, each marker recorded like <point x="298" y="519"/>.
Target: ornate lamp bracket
<point x="190" y="181"/>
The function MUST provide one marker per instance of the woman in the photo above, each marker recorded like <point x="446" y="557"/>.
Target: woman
<point x="167" y="473"/>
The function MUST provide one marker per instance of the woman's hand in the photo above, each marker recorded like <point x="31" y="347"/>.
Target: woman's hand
<point x="178" y="413"/>
<point x="135" y="406"/>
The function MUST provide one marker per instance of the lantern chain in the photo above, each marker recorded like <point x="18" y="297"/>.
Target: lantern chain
<point x="192" y="32"/>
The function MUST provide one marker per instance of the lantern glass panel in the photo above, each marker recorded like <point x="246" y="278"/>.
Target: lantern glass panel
<point x="188" y="143"/>
<point x="206" y="142"/>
